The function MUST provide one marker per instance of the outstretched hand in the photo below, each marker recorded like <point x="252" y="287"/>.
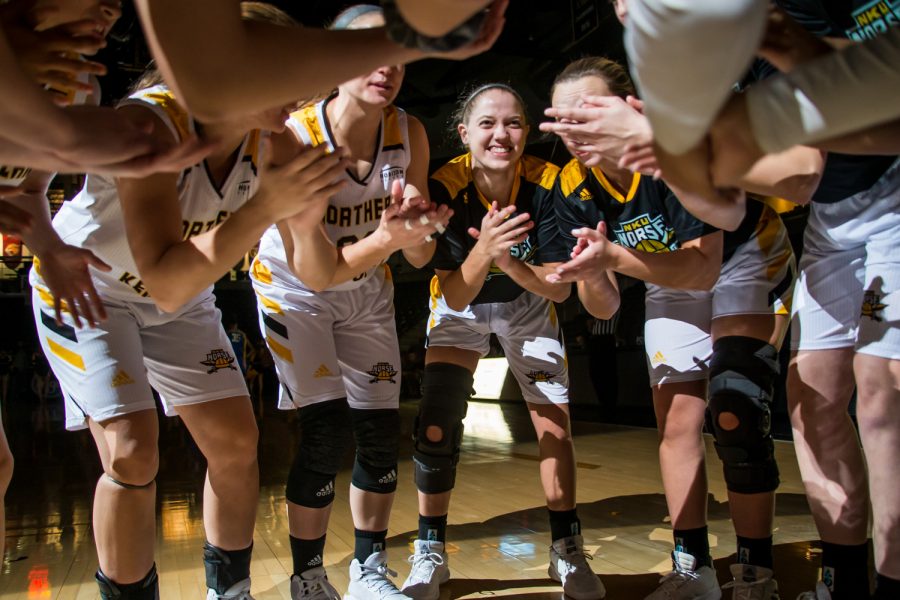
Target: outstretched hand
<point x="409" y="222"/>
<point x="591" y="256"/>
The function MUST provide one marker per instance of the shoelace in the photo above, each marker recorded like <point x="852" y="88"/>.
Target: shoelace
<point x="743" y="590"/>
<point x="425" y="560"/>
<point x="675" y="579"/>
<point x="314" y="588"/>
<point x="376" y="578"/>
<point x="576" y="560"/>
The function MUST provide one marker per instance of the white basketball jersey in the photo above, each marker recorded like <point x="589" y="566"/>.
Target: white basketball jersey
<point x="93" y="219"/>
<point x="355" y="211"/>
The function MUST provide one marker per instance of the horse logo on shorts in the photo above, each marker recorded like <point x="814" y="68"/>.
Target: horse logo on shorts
<point x="382" y="372"/>
<point x="873" y="307"/>
<point x="217" y="360"/>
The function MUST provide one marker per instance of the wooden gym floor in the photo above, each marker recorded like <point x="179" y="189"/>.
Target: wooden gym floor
<point x="497" y="538"/>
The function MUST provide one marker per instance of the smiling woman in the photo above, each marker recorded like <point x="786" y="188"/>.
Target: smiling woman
<point x="490" y="269"/>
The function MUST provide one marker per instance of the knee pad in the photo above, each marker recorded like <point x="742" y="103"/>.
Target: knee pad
<point x="145" y="589"/>
<point x="129" y="486"/>
<point x="742" y="380"/>
<point x="324" y="437"/>
<point x="445" y="395"/>
<point x="377" y="434"/>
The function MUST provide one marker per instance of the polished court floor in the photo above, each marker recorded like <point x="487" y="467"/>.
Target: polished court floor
<point x="498" y="534"/>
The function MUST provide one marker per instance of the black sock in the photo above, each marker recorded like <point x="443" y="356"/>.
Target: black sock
<point x="694" y="542"/>
<point x="433" y="529"/>
<point x="886" y="588"/>
<point x="755" y="551"/>
<point x="845" y="570"/>
<point x="368" y="543"/>
<point x="307" y="554"/>
<point x="564" y="523"/>
<point x="224" y="568"/>
<point x="145" y="589"/>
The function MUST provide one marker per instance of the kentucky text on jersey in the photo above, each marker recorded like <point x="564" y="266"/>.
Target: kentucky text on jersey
<point x="348" y="216"/>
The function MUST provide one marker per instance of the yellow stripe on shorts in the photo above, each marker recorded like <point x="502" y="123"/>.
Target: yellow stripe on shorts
<point x="282" y="351"/>
<point x="67" y="355"/>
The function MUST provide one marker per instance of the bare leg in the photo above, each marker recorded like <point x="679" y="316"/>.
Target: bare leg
<point x="551" y="424"/>
<point x="125" y="518"/>
<point x="878" y="399"/>
<point x="6" y="471"/>
<point x="225" y="431"/>
<point x="820" y="383"/>
<point x="680" y="409"/>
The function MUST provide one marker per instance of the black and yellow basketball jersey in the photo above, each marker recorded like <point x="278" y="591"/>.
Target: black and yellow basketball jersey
<point x="648" y="217"/>
<point x="453" y="185"/>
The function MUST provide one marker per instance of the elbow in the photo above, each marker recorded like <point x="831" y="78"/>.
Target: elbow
<point x="455" y="304"/>
<point x="561" y="293"/>
<point x="604" y="311"/>
<point x="730" y="220"/>
<point x="800" y="188"/>
<point x="707" y="281"/>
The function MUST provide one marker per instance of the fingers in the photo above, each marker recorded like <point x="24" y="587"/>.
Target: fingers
<point x="172" y="160"/>
<point x="91" y="259"/>
<point x="473" y="233"/>
<point x="587" y="234"/>
<point x="635" y="103"/>
<point x="96" y="310"/>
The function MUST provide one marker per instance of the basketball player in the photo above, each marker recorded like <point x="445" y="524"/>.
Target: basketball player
<point x="162" y="329"/>
<point x="270" y="65"/>
<point x="326" y="309"/>
<point x="716" y="311"/>
<point x="844" y="334"/>
<point x="66" y="266"/>
<point x="489" y="278"/>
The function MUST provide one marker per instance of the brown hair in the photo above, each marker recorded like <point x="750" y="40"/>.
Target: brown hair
<point x="262" y="12"/>
<point x="614" y="74"/>
<point x="467" y="100"/>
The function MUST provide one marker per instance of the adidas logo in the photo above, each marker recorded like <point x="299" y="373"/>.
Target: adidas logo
<point x="315" y="562"/>
<point x="389" y="478"/>
<point x="659" y="357"/>
<point x="121" y="378"/>
<point x="328" y="490"/>
<point x="322" y="371"/>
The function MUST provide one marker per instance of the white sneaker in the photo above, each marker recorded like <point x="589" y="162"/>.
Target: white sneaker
<point x="313" y="584"/>
<point x="239" y="591"/>
<point x="369" y="580"/>
<point x="686" y="582"/>
<point x="821" y="593"/>
<point x="568" y="565"/>
<point x="429" y="571"/>
<point x="752" y="583"/>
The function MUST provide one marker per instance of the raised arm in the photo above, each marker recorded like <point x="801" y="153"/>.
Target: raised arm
<point x="222" y="66"/>
<point x="415" y="196"/>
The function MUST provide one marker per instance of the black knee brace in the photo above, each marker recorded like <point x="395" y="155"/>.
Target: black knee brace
<point x="445" y="395"/>
<point x="324" y="437"/>
<point x="145" y="589"/>
<point x="377" y="434"/>
<point x="741" y="381"/>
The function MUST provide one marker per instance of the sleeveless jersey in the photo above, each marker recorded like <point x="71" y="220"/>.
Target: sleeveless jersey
<point x="354" y="212"/>
<point x="532" y="193"/>
<point x="93" y="219"/>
